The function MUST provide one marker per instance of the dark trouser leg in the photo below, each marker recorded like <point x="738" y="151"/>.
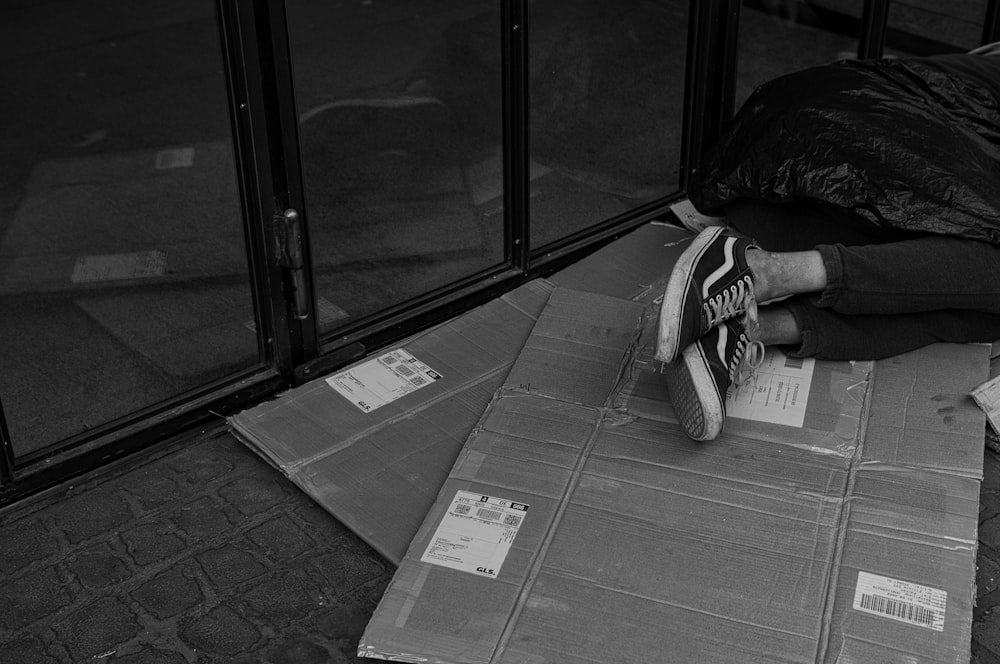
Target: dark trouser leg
<point x="828" y="335"/>
<point x="888" y="292"/>
<point x="928" y="273"/>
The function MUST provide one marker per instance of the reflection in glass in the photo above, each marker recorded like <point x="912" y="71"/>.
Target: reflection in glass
<point x="400" y="132"/>
<point x="123" y="277"/>
<point x="606" y="94"/>
<point x="781" y="36"/>
<point x="929" y="27"/>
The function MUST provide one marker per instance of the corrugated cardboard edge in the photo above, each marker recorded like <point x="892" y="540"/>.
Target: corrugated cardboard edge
<point x="858" y="464"/>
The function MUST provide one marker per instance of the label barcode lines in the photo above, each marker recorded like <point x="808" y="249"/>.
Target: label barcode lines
<point x="911" y="613"/>
<point x="489" y="515"/>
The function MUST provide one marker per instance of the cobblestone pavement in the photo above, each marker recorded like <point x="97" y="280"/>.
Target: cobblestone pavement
<point x="202" y="553"/>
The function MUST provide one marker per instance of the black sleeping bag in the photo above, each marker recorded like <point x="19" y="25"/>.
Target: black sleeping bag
<point x="907" y="144"/>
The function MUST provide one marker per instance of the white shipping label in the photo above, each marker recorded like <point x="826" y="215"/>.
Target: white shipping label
<point x="475" y="534"/>
<point x="383" y="380"/>
<point x="907" y="602"/>
<point x="779" y="394"/>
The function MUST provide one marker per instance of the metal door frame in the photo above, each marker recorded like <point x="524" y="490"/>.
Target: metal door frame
<point x="258" y="68"/>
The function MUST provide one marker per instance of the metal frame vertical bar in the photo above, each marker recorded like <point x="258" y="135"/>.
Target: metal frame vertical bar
<point x="265" y="131"/>
<point x="874" y="23"/>
<point x="516" y="151"/>
<point x="991" y="22"/>
<point x="710" y="78"/>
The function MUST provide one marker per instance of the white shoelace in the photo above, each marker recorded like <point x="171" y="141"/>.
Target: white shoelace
<point x="748" y="354"/>
<point x="732" y="302"/>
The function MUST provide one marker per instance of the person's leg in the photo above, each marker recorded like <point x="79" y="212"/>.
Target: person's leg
<point x="806" y="330"/>
<point x="928" y="273"/>
<point x="865" y="269"/>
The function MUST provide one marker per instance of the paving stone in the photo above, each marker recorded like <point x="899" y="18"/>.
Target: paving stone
<point x="96" y="512"/>
<point x="221" y="631"/>
<point x="97" y="628"/>
<point x="152" y="485"/>
<point x="304" y="651"/>
<point x="987" y="632"/>
<point x="26" y="651"/>
<point x="151" y="543"/>
<point x="253" y="495"/>
<point x="987" y="575"/>
<point x="98" y="567"/>
<point x="322" y="526"/>
<point x="168" y="594"/>
<point x="201" y="519"/>
<point x="346" y="571"/>
<point x="23" y="543"/>
<point x="30" y="597"/>
<point x="229" y="565"/>
<point x="981" y="655"/>
<point x="285" y="599"/>
<point x="344" y="623"/>
<point x="150" y="655"/>
<point x="989" y="533"/>
<point x="281" y="539"/>
<point x="201" y="463"/>
<point x="989" y="504"/>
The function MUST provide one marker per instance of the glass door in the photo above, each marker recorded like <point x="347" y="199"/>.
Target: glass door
<point x="399" y="121"/>
<point x="134" y="275"/>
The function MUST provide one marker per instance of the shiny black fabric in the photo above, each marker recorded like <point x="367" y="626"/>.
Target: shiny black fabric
<point x="911" y="145"/>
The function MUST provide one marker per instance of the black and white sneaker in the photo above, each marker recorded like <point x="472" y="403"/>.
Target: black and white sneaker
<point x="699" y="380"/>
<point x="711" y="283"/>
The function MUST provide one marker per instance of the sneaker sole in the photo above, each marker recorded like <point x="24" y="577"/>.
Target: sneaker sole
<point x="668" y="342"/>
<point x="694" y="396"/>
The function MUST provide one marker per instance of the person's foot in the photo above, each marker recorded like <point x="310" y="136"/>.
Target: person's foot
<point x="710" y="283"/>
<point x="699" y="380"/>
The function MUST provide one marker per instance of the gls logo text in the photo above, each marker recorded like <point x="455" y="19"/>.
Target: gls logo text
<point x="484" y="570"/>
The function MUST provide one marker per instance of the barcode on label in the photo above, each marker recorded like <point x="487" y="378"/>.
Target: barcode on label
<point x="910" y="613"/>
<point x="462" y="509"/>
<point x="511" y="520"/>
<point x="793" y="362"/>
<point x="489" y="515"/>
<point x="390" y="359"/>
<point x="404" y="370"/>
<point x="417" y="380"/>
<point x="905" y="601"/>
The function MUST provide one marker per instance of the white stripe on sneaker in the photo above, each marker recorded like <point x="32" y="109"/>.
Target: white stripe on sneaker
<point x="720" y="345"/>
<point x="721" y="271"/>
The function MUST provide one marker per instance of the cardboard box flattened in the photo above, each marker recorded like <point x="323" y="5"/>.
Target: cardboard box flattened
<point x="650" y="547"/>
<point x="379" y="471"/>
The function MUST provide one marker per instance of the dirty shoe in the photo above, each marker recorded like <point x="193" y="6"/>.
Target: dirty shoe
<point x="699" y="380"/>
<point x="710" y="283"/>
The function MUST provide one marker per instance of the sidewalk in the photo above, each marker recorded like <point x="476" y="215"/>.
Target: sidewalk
<point x="200" y="552"/>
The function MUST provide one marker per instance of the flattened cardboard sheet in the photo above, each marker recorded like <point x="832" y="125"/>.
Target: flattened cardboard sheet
<point x="641" y="545"/>
<point x="378" y="472"/>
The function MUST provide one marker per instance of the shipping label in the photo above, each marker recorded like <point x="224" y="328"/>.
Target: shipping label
<point x="778" y="394"/>
<point x="382" y="380"/>
<point x="906" y="602"/>
<point x="475" y="534"/>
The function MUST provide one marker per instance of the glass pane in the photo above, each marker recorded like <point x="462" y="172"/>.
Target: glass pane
<point x="929" y="27"/>
<point x="607" y="94"/>
<point x="123" y="277"/>
<point x="781" y="36"/>
<point x="400" y="134"/>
